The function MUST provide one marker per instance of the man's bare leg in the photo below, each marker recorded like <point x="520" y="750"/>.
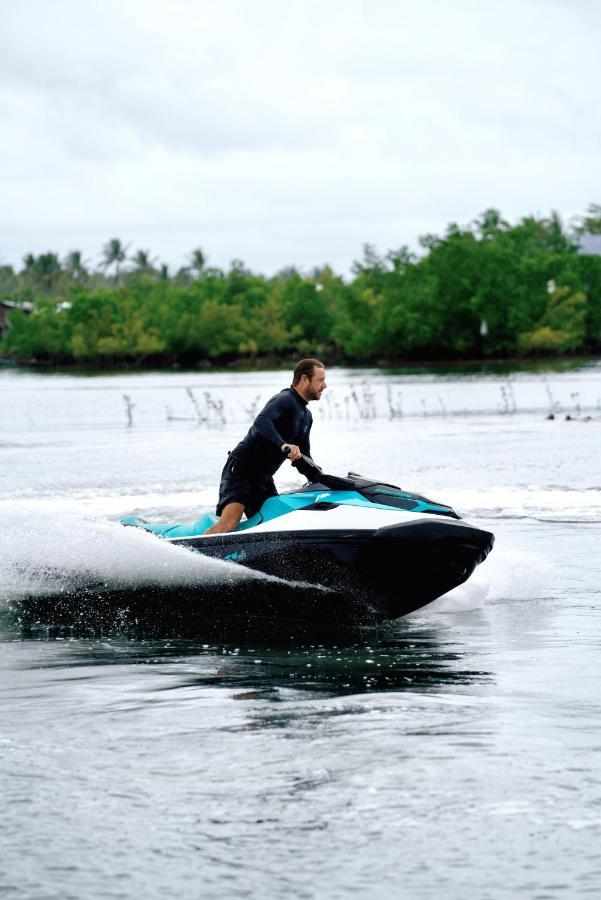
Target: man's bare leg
<point x="230" y="516"/>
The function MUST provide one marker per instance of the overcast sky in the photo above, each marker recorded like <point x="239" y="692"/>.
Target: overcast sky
<point x="289" y="133"/>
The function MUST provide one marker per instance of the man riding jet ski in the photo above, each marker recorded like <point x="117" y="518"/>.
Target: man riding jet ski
<point x="282" y="426"/>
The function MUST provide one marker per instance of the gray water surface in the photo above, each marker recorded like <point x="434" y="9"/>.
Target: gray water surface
<point x="455" y="753"/>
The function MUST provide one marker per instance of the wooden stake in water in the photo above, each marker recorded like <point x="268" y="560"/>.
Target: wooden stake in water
<point x="129" y="406"/>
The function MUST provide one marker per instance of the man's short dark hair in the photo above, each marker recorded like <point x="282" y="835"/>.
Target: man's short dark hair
<point x="306" y="367"/>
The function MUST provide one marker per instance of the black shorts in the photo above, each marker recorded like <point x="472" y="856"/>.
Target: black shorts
<point x="240" y="485"/>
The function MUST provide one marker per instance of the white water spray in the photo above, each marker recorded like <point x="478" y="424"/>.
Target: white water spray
<point x="49" y="552"/>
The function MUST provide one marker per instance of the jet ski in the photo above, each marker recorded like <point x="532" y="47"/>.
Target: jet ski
<point x="365" y="551"/>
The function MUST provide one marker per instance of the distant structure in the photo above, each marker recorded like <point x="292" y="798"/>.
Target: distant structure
<point x="590" y="243"/>
<point x="6" y="307"/>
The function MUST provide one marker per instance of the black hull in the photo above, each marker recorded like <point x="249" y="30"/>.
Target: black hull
<point x="380" y="574"/>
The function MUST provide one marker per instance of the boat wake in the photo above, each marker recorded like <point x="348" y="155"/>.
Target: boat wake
<point x="510" y="574"/>
<point x="46" y="553"/>
<point x="67" y="570"/>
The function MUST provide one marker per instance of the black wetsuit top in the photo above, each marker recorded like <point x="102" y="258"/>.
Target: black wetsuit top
<point x="284" y="419"/>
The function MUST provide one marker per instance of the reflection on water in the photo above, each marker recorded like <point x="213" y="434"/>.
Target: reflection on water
<point x="415" y="662"/>
<point x="405" y="659"/>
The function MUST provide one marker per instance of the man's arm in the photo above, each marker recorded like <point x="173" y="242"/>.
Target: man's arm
<point x="265" y="423"/>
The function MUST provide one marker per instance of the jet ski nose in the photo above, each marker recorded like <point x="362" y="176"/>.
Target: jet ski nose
<point x="431" y="556"/>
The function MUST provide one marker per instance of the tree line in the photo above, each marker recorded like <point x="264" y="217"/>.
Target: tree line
<point x="488" y="289"/>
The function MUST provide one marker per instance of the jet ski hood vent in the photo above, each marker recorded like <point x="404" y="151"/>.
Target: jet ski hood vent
<point x="374" y="491"/>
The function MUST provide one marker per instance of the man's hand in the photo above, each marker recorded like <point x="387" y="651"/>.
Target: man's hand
<point x="292" y="451"/>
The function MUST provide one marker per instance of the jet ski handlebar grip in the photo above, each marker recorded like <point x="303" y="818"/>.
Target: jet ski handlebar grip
<point x="307" y="467"/>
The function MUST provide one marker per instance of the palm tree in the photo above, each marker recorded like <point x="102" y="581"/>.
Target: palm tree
<point x="197" y="261"/>
<point x="114" y="254"/>
<point x="29" y="264"/>
<point x="75" y="265"/>
<point x="43" y="271"/>
<point x="489" y="222"/>
<point x="591" y="222"/>
<point x="143" y="262"/>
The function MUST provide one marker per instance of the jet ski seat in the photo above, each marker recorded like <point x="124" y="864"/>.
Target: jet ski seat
<point x="171" y="530"/>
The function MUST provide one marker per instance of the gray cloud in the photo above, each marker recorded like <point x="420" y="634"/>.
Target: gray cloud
<point x="289" y="133"/>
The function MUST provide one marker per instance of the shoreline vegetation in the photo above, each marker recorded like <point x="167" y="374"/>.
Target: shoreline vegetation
<point x="489" y="291"/>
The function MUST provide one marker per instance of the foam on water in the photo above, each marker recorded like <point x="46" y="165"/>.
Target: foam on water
<point x="509" y="573"/>
<point x="45" y="551"/>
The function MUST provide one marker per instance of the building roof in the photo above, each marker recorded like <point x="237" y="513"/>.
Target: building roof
<point x="590" y="243"/>
<point x="26" y="306"/>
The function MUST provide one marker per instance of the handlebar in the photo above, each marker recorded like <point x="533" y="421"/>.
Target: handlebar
<point x="313" y="473"/>
<point x="307" y="467"/>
